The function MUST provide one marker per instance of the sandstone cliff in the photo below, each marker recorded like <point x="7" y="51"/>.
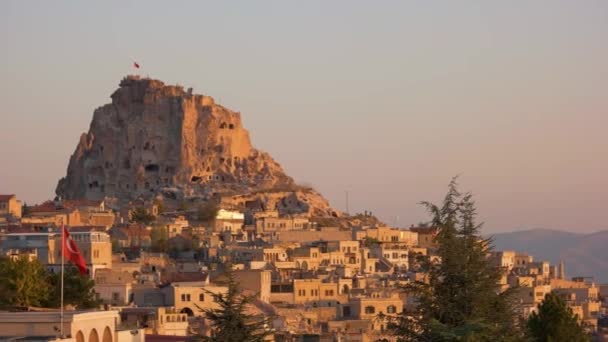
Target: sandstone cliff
<point x="156" y="139"/>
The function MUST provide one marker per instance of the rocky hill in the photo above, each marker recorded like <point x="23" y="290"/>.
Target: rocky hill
<point x="161" y="140"/>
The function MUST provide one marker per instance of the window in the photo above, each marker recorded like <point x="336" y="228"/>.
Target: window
<point x="115" y="296"/>
<point x="185" y="297"/>
<point x="370" y="309"/>
<point x="391" y="309"/>
<point x="201" y="297"/>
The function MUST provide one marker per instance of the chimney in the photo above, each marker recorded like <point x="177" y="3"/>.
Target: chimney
<point x="58" y="202"/>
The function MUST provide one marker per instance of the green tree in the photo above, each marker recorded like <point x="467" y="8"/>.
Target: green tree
<point x="460" y="301"/>
<point x="25" y="209"/>
<point x="555" y="322"/>
<point x="159" y="238"/>
<point x="370" y="241"/>
<point x="78" y="290"/>
<point x="208" y="211"/>
<point x="160" y="205"/>
<point x="230" y="322"/>
<point x="116" y="247"/>
<point x="184" y="206"/>
<point x="141" y="215"/>
<point x="23" y="282"/>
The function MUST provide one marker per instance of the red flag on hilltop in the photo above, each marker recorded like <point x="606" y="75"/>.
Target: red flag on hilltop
<point x="71" y="252"/>
<point x="135" y="65"/>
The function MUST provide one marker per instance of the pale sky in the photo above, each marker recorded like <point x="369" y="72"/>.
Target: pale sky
<point x="385" y="99"/>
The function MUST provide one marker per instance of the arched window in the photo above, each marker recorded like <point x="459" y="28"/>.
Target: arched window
<point x="391" y="309"/>
<point x="187" y="311"/>
<point x="107" y="335"/>
<point x="93" y="336"/>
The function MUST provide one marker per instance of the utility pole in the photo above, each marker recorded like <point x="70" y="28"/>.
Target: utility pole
<point x="347" y="209"/>
<point x="62" y="266"/>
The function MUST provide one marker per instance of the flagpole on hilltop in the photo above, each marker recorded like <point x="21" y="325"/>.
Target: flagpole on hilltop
<point x="62" y="254"/>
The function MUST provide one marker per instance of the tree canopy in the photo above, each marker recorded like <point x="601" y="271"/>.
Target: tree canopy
<point x="460" y="299"/>
<point x="555" y="322"/>
<point x="159" y="239"/>
<point x="207" y="211"/>
<point x="78" y="290"/>
<point x="230" y="322"/>
<point x="141" y="215"/>
<point x="23" y="282"/>
<point x="29" y="283"/>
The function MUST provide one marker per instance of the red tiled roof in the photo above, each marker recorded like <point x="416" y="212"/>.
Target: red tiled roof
<point x="27" y="228"/>
<point x="50" y="206"/>
<point x="77" y="203"/>
<point x="132" y="229"/>
<point x="5" y="198"/>
<point x="46" y="207"/>
<point x="176" y="277"/>
<point x="85" y="229"/>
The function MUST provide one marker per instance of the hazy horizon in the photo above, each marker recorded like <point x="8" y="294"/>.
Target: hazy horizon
<point x="386" y="101"/>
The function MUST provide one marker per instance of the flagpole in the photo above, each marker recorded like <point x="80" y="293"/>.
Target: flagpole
<point x="62" y="253"/>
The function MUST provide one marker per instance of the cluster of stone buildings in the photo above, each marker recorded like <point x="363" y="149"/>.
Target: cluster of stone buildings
<point x="318" y="283"/>
<point x="532" y="280"/>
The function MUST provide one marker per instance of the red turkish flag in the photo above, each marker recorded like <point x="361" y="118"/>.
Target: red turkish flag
<point x="71" y="252"/>
<point x="135" y="65"/>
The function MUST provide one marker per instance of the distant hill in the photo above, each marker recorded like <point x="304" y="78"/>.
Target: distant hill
<point x="583" y="254"/>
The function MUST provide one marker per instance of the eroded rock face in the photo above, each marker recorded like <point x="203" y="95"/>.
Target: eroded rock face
<point x="157" y="139"/>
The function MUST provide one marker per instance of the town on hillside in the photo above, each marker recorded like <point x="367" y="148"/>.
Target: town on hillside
<point x="158" y="270"/>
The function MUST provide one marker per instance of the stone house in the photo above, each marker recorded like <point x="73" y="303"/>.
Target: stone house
<point x="52" y="213"/>
<point x="191" y="297"/>
<point x="372" y="305"/>
<point x="10" y="206"/>
<point x="78" y="326"/>
<point x="114" y="288"/>
<point x="256" y="282"/>
<point x="94" y="245"/>
<point x="228" y="221"/>
<point x="131" y="235"/>
<point x="426" y="236"/>
<point x="164" y="321"/>
<point x="273" y="224"/>
<point x="317" y="291"/>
